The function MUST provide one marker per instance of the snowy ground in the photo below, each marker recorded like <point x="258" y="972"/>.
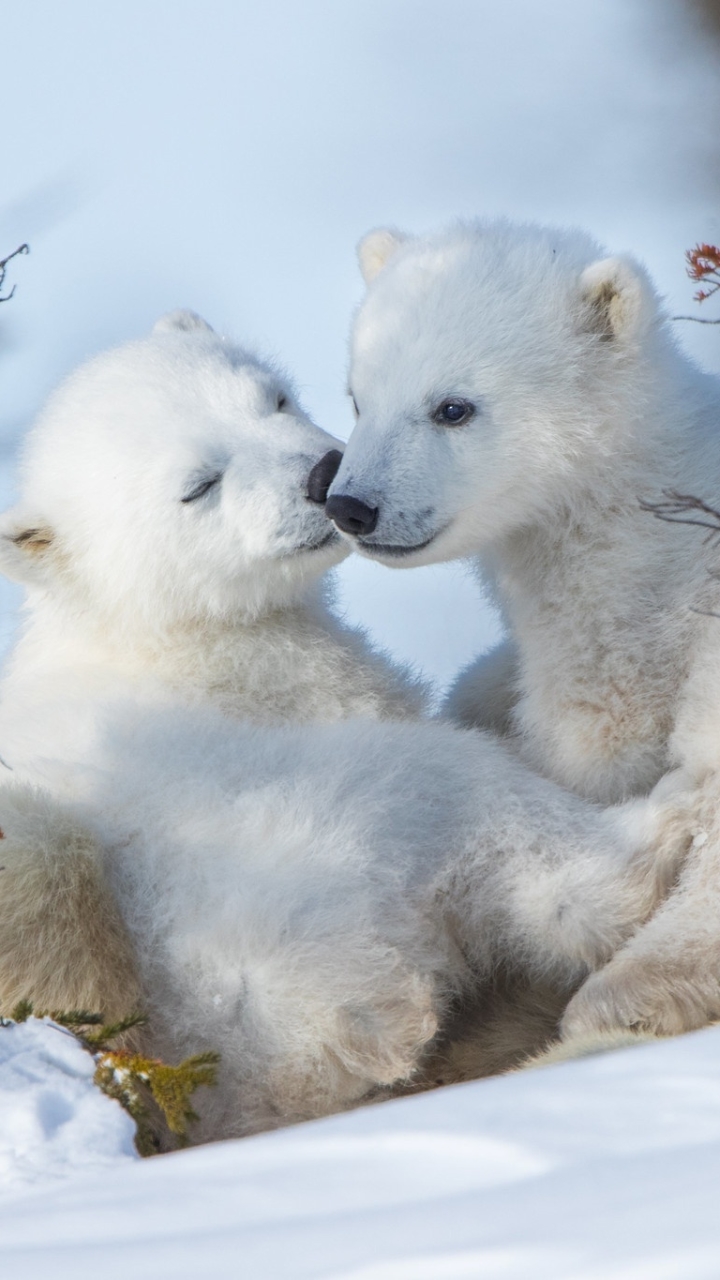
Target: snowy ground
<point x="53" y="1121"/>
<point x="603" y="1169"/>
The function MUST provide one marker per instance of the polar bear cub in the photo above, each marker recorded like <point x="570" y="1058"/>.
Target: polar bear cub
<point x="521" y="399"/>
<point x="519" y="395"/>
<point x="172" y="546"/>
<point x="169" y="543"/>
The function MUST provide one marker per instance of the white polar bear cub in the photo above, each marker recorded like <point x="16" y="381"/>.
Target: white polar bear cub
<point x="518" y="395"/>
<point x="521" y="399"/>
<point x="169" y="545"/>
<point x="172" y="547"/>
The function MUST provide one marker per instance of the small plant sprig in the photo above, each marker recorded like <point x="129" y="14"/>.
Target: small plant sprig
<point x="703" y="266"/>
<point x="21" y="249"/>
<point x="129" y="1077"/>
<point x="142" y="1085"/>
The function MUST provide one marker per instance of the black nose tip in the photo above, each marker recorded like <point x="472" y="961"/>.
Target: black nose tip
<point x="351" y="515"/>
<point x="322" y="476"/>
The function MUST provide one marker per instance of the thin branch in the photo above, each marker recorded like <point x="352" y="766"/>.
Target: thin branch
<point x="21" y="249"/>
<point x="695" y="319"/>
<point x="675" y="508"/>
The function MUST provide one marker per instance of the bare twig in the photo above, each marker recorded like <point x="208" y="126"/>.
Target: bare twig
<point x="676" y="509"/>
<point x="21" y="249"/>
<point x="696" y="319"/>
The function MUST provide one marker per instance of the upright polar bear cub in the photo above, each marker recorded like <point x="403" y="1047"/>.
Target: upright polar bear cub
<point x="310" y="900"/>
<point x="522" y="400"/>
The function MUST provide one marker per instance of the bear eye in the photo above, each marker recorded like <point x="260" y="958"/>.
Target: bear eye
<point x="453" y="412"/>
<point x="281" y="403"/>
<point x="356" y="411"/>
<point x="201" y="487"/>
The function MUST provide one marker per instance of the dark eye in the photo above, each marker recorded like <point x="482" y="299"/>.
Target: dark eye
<point x="356" y="411"/>
<point x="281" y="403"/>
<point x="454" y="412"/>
<point x="201" y="487"/>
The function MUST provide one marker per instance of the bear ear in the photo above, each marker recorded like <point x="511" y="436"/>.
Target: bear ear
<point x="376" y="248"/>
<point x="182" y="322"/>
<point x="616" y="298"/>
<point x="26" y="546"/>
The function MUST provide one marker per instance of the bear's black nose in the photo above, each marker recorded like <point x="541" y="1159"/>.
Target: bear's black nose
<point x="351" y="515"/>
<point x="322" y="476"/>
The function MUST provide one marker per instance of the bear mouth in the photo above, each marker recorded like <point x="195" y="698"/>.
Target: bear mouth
<point x="395" y="550"/>
<point x="317" y="545"/>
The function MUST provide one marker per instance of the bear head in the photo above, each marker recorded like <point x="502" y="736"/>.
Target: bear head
<point x="493" y="368"/>
<point x="166" y="482"/>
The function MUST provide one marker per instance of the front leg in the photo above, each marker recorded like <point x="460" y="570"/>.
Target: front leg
<point x="666" y="979"/>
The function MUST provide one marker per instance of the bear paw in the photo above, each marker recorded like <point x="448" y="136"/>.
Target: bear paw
<point x="642" y="996"/>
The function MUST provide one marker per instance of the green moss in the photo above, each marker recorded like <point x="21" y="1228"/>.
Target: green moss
<point x="129" y="1077"/>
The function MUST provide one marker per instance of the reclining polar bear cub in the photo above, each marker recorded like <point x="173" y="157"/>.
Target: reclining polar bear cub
<point x="518" y="395"/>
<point x="170" y="546"/>
<point x="313" y="901"/>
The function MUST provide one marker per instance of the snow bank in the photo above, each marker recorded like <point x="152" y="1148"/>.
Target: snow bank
<point x="603" y="1169"/>
<point x="53" y="1120"/>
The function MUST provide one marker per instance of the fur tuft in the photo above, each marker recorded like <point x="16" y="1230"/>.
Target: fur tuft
<point x="62" y="942"/>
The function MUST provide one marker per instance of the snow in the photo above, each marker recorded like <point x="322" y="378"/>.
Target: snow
<point x="53" y="1120"/>
<point x="602" y="1169"/>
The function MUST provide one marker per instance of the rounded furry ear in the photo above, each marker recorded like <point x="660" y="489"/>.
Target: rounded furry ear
<point x="376" y="248"/>
<point x="615" y="296"/>
<point x="182" y="321"/>
<point x="27" y="545"/>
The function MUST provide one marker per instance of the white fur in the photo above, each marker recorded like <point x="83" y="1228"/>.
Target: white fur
<point x="584" y="406"/>
<point x="134" y="594"/>
<point x="666" y="979"/>
<point x="313" y="901"/>
<point x="133" y="591"/>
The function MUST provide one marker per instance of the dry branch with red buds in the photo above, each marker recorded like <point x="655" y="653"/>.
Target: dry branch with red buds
<point x="703" y="265"/>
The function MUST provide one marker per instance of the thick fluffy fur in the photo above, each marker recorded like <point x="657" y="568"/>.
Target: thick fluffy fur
<point x="666" y="979"/>
<point x="315" y="902"/>
<point x="135" y="592"/>
<point x="137" y="587"/>
<point x="584" y="409"/>
<point x="62" y="942"/>
<point x="583" y="406"/>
